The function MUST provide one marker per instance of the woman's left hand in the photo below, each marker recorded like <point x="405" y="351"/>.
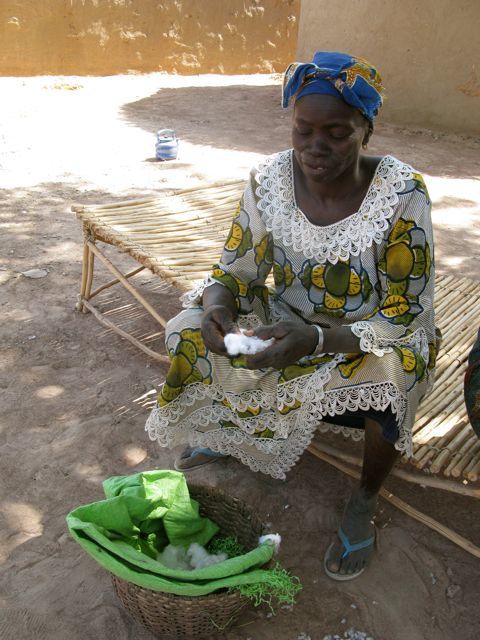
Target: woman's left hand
<point x="292" y="342"/>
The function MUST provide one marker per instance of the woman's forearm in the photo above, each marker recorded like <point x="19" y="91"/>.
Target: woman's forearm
<point x="218" y="295"/>
<point x="340" y="340"/>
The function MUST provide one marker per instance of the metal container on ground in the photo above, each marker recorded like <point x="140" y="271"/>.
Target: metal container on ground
<point x="166" y="147"/>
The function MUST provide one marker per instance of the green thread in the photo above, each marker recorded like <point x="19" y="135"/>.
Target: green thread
<point x="279" y="585"/>
<point x="226" y="544"/>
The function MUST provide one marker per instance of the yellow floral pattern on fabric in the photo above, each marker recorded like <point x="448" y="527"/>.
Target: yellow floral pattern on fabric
<point x="282" y="271"/>
<point x="264" y="251"/>
<point x="363" y="69"/>
<point x="285" y="410"/>
<point x="239" y="239"/>
<point x="420" y="185"/>
<point x="249" y="412"/>
<point x="404" y="270"/>
<point x="236" y="287"/>
<point x="189" y="364"/>
<point x="336" y="289"/>
<point x="304" y="367"/>
<point x="353" y="363"/>
<point x="240" y="416"/>
<point x="413" y="364"/>
<point x="240" y="245"/>
<point x="433" y="348"/>
<point x="263" y="256"/>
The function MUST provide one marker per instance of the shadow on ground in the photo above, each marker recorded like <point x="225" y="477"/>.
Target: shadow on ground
<point x="206" y="116"/>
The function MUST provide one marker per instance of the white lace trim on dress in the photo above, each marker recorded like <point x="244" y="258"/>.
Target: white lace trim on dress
<point x="371" y="343"/>
<point x="192" y="298"/>
<point x="293" y="432"/>
<point x="378" y="396"/>
<point x="337" y="241"/>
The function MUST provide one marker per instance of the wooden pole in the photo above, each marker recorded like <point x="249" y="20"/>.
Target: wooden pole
<point x="83" y="284"/>
<point x="116" y="281"/>
<point x="91" y="266"/>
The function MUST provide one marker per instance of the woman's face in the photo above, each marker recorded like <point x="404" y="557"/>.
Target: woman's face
<point x="327" y="136"/>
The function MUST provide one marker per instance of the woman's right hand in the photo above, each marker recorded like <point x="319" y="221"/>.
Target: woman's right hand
<point x="217" y="321"/>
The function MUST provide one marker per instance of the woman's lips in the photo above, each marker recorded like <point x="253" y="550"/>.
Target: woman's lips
<point x="317" y="168"/>
<point x="315" y="164"/>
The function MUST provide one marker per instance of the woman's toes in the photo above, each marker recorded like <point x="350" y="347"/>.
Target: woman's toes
<point x="349" y="567"/>
<point x="334" y="557"/>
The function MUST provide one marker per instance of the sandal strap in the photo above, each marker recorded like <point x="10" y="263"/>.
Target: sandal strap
<point x="206" y="452"/>
<point x="349" y="547"/>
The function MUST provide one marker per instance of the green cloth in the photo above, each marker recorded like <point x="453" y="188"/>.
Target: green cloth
<point x="144" y="512"/>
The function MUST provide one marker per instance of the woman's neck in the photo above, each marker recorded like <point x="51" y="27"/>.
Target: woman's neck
<point x="344" y="186"/>
<point x="325" y="203"/>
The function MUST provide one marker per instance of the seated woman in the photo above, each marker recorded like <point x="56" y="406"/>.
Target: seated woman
<point x="349" y="240"/>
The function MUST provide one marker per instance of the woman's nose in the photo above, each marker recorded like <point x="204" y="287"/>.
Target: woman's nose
<point x="319" y="144"/>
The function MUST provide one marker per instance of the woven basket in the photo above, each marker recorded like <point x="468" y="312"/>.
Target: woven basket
<point x="183" y="618"/>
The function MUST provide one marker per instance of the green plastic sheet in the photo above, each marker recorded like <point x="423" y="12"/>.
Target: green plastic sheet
<point x="140" y="515"/>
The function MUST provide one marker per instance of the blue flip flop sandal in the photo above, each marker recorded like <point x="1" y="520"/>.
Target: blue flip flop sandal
<point x="197" y="451"/>
<point x="349" y="548"/>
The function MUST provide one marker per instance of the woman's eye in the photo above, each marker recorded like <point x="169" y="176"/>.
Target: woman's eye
<point x="339" y="135"/>
<point x="303" y="131"/>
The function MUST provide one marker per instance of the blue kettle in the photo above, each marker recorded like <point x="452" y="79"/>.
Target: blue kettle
<point x="166" y="147"/>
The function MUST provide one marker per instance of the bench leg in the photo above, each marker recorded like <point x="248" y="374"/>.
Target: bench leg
<point x="87" y="274"/>
<point x="94" y="250"/>
<point x="90" y="250"/>
<point x="88" y="287"/>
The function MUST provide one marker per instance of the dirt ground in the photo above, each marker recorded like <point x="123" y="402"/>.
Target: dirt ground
<point x="75" y="397"/>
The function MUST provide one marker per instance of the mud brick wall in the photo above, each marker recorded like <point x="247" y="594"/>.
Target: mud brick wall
<point x="101" y="37"/>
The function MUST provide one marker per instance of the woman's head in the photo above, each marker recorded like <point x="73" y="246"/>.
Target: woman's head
<point x="327" y="135"/>
<point x="354" y="80"/>
<point x="336" y="99"/>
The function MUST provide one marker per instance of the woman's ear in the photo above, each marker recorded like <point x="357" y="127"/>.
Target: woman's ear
<point x="368" y="133"/>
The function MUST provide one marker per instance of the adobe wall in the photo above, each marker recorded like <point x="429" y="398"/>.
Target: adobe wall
<point x="428" y="53"/>
<point x="101" y="37"/>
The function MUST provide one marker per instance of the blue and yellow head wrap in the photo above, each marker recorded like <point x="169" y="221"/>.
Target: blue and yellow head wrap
<point x="338" y="74"/>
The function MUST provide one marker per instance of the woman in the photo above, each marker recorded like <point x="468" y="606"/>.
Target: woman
<point x="349" y="240"/>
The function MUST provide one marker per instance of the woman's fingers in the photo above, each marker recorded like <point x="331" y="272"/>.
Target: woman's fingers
<point x="217" y="321"/>
<point x="265" y="332"/>
<point x="213" y="336"/>
<point x="213" y="339"/>
<point x="228" y="326"/>
<point x="258" y="361"/>
<point x="291" y="343"/>
<point x="270" y="357"/>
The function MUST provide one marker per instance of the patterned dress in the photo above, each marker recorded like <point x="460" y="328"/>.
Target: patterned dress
<point x="372" y="271"/>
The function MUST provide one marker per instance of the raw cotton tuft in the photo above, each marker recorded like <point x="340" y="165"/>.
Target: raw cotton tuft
<point x="238" y="343"/>
<point x="274" y="538"/>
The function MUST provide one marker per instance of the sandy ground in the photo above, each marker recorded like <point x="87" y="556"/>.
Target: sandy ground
<point x="75" y="397"/>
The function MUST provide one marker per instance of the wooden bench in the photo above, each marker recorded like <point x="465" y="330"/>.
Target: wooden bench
<point x="180" y="235"/>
